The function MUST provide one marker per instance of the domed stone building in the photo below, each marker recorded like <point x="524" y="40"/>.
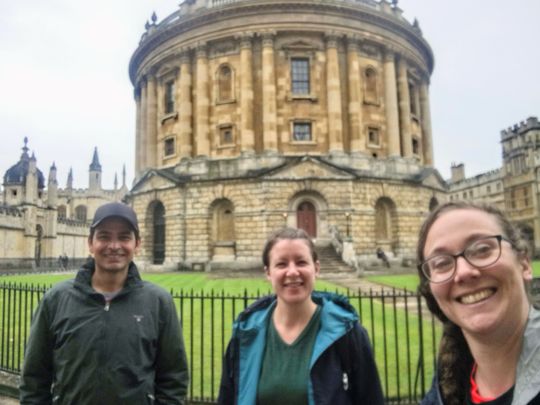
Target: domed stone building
<point x="255" y="114"/>
<point x="39" y="221"/>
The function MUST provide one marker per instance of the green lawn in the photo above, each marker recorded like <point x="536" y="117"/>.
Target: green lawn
<point x="393" y="323"/>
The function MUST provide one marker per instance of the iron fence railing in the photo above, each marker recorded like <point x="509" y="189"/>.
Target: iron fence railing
<point x="403" y="334"/>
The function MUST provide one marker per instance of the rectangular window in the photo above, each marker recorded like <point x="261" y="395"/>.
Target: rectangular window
<point x="300" y="76"/>
<point x="226" y="135"/>
<point x="169" y="97"/>
<point x="302" y="131"/>
<point x="373" y="136"/>
<point x="169" y="147"/>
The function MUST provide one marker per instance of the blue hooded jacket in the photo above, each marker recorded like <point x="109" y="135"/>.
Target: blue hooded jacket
<point x="342" y="368"/>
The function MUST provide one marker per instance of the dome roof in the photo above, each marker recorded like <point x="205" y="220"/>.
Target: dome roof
<point x="16" y="174"/>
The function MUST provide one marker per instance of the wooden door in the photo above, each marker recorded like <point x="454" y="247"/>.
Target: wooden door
<point x="306" y="218"/>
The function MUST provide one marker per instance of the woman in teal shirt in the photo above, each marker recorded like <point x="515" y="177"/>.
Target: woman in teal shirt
<point x="298" y="346"/>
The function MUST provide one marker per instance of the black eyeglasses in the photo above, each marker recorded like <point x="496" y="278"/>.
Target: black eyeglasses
<point x="480" y="253"/>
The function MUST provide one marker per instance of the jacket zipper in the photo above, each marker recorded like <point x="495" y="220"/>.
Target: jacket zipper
<point x="107" y="305"/>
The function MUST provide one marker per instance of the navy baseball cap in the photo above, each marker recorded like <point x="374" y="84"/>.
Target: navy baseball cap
<point x="116" y="210"/>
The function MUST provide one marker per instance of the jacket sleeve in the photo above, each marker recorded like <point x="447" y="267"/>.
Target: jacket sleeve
<point x="229" y="381"/>
<point x="172" y="375"/>
<point x="366" y="385"/>
<point x="37" y="370"/>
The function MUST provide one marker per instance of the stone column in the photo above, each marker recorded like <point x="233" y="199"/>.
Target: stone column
<point x="356" y="130"/>
<point x="185" y="108"/>
<point x="269" y="94"/>
<point x="138" y="132"/>
<point x="390" y="97"/>
<point x="333" y="90"/>
<point x="202" y="142"/>
<point x="141" y="146"/>
<point x="425" y="113"/>
<point x="404" y="108"/>
<point x="247" y="138"/>
<point x="151" y="123"/>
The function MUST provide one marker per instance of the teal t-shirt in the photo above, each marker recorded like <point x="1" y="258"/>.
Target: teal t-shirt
<point x="285" y="368"/>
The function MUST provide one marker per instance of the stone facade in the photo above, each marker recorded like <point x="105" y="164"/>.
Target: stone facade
<point x="38" y="223"/>
<point x="515" y="187"/>
<point x="252" y="115"/>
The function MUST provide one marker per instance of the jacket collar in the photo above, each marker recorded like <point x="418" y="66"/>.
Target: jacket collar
<point x="528" y="370"/>
<point x="83" y="279"/>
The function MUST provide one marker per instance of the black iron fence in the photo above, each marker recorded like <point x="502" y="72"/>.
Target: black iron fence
<point x="403" y="334"/>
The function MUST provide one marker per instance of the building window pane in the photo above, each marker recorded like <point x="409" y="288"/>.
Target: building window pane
<point x="302" y="131"/>
<point x="169" y="147"/>
<point x="225" y="83"/>
<point x="373" y="136"/>
<point x="226" y="135"/>
<point x="169" y="97"/>
<point x="300" y="75"/>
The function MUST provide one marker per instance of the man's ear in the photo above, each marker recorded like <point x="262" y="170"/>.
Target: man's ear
<point x="267" y="273"/>
<point x="317" y="268"/>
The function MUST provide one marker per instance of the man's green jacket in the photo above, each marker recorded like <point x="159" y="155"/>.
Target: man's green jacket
<point x="84" y="351"/>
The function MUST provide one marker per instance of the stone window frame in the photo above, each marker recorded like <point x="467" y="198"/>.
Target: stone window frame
<point x="376" y="99"/>
<point x="169" y="76"/>
<point x="167" y="140"/>
<point x="301" y="52"/>
<point x="416" y="145"/>
<point x="414" y="107"/>
<point x="232" y="98"/>
<point x="301" y="121"/>
<point x="369" y="128"/>
<point x="221" y="130"/>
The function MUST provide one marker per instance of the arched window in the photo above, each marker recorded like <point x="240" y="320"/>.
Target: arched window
<point x="81" y="213"/>
<point x="223" y="230"/>
<point x="433" y="203"/>
<point x="371" y="91"/>
<point x="61" y="212"/>
<point x="223" y="221"/>
<point x="158" y="240"/>
<point x="225" y="83"/>
<point x="384" y="220"/>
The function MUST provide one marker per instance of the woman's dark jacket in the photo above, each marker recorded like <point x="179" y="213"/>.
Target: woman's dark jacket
<point x="342" y="368"/>
<point x="84" y="351"/>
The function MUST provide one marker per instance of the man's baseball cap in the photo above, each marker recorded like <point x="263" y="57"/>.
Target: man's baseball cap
<point x="117" y="210"/>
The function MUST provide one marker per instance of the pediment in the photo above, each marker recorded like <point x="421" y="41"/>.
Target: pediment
<point x="299" y="45"/>
<point x="434" y="180"/>
<point x="153" y="180"/>
<point x="309" y="168"/>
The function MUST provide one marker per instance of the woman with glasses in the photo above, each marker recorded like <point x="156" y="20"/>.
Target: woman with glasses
<point x="474" y="272"/>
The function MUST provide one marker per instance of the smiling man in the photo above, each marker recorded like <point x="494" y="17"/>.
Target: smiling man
<point x="106" y="337"/>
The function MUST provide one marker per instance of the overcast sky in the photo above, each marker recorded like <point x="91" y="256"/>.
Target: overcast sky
<point x="64" y="79"/>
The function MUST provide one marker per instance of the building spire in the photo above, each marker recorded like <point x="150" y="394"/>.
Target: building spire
<point x="95" y="166"/>
<point x="70" y="179"/>
<point x="25" y="149"/>
<point x="124" y="176"/>
<point x="115" y="181"/>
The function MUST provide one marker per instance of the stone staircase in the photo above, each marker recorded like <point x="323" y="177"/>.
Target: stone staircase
<point x="331" y="263"/>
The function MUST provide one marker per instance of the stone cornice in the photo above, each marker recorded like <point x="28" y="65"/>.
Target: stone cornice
<point x="210" y="16"/>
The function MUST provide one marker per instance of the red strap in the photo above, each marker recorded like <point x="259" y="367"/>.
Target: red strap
<point x="476" y="398"/>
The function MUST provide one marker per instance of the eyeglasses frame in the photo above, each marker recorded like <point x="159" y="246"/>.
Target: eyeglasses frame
<point x="499" y="238"/>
